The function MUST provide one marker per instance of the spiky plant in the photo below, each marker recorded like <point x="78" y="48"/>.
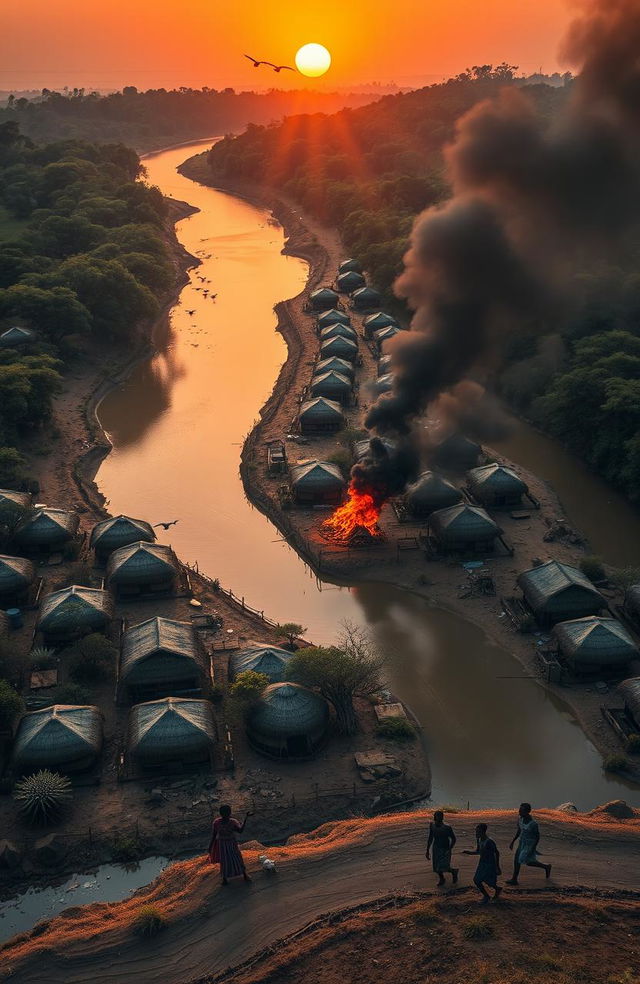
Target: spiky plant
<point x="42" y="658"/>
<point x="43" y="796"/>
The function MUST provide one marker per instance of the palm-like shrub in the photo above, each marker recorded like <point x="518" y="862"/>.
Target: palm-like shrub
<point x="42" y="658"/>
<point x="42" y="797"/>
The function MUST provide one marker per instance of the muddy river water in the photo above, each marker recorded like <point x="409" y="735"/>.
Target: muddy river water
<point x="177" y="426"/>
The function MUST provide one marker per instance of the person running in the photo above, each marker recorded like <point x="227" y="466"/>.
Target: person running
<point x="443" y="839"/>
<point x="488" y="864"/>
<point x="223" y="846"/>
<point x="528" y="833"/>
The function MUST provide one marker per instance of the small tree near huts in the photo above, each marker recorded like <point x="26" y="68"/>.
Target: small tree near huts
<point x="11" y="706"/>
<point x="341" y="673"/>
<point x="292" y="630"/>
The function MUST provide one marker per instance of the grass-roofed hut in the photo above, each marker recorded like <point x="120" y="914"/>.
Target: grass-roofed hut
<point x="333" y="385"/>
<point x="15" y="336"/>
<point x="456" y="453"/>
<point x="349" y="280"/>
<point x="323" y="299"/>
<point x="350" y="264"/>
<point x="74" y="612"/>
<point x="320" y="416"/>
<point x="378" y="320"/>
<point x="270" y="660"/>
<point x="162" y="658"/>
<point x="16" y="577"/>
<point x="362" y="448"/>
<point x="332" y="317"/>
<point x="334" y="364"/>
<point x="384" y="384"/>
<point x="142" y="566"/>
<point x="385" y="364"/>
<point x="317" y="483"/>
<point x="119" y="531"/>
<point x="13" y="507"/>
<point x="171" y="730"/>
<point x="429" y="493"/>
<point x="288" y="722"/>
<point x="47" y="529"/>
<point x="595" y="643"/>
<point x="496" y="485"/>
<point x="338" y="329"/>
<point x="556" y="592"/>
<point x="63" y="737"/>
<point x="464" y="527"/>
<point x="344" y="348"/>
<point x="383" y="335"/>
<point x="365" y="299"/>
<point x="629" y="690"/>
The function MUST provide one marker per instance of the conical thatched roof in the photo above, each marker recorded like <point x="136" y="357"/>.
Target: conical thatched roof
<point x="141" y="563"/>
<point x="349" y="280"/>
<point x="382" y="335"/>
<point x="15" y="502"/>
<point x="47" y="527"/>
<point x="120" y="531"/>
<point x="333" y="316"/>
<point x="16" y="574"/>
<point x="323" y="298"/>
<point x="75" y="608"/>
<point x="350" y="264"/>
<point x="384" y="384"/>
<point x="169" y="729"/>
<point x="320" y="410"/>
<point x="560" y="591"/>
<point x="365" y="297"/>
<point x="378" y="320"/>
<point x="431" y="492"/>
<point x="344" y="348"/>
<point x="629" y="690"/>
<point x="337" y="365"/>
<point x="338" y="329"/>
<point x="331" y="384"/>
<point x="15" y="336"/>
<point x="362" y="449"/>
<point x="384" y="364"/>
<point x="595" y="641"/>
<point x="463" y="524"/>
<point x="496" y="480"/>
<point x="161" y="649"/>
<point x="285" y="710"/>
<point x="316" y="474"/>
<point x="58" y="737"/>
<point x="270" y="660"/>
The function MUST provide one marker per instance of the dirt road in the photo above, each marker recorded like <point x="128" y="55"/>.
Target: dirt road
<point x="210" y="928"/>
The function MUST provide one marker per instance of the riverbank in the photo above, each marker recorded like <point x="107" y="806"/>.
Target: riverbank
<point x="441" y="583"/>
<point x="210" y="930"/>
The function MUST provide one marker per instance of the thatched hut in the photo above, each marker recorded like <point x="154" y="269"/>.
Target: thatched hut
<point x="74" y="612"/>
<point x="344" y="348"/>
<point x="317" y="483"/>
<point x="119" y="531"/>
<point x="288" y="722"/>
<point x="456" y="453"/>
<point x="333" y="385"/>
<point x="320" y="416"/>
<point x="383" y="335"/>
<point x="429" y="493"/>
<point x="384" y="364"/>
<point x="629" y="690"/>
<point x="595" y="643"/>
<point x="270" y="660"/>
<point x="47" y="529"/>
<point x="464" y="527"/>
<point x="142" y="566"/>
<point x="338" y="329"/>
<point x="496" y="485"/>
<point x="323" y="299"/>
<point x="375" y="321"/>
<point x="332" y="317"/>
<point x="365" y="299"/>
<point x="15" y="336"/>
<point x="13" y="506"/>
<point x="16" y="577"/>
<point x="384" y="384"/>
<point x="334" y="364"/>
<point x="63" y="737"/>
<point x="349" y="280"/>
<point x="556" y="592"/>
<point x="362" y="448"/>
<point x="350" y="264"/>
<point x="162" y="658"/>
<point x="174" y="729"/>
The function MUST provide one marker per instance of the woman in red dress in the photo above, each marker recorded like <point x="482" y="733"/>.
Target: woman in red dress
<point x="223" y="846"/>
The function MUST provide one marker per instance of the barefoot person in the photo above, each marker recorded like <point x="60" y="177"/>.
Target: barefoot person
<point x="488" y="864"/>
<point x="442" y="840"/>
<point x="529" y="834"/>
<point x="223" y="846"/>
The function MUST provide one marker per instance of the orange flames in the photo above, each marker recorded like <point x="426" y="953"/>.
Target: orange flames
<point x="360" y="511"/>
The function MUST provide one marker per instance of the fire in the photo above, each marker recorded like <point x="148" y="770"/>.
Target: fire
<point x="360" y="511"/>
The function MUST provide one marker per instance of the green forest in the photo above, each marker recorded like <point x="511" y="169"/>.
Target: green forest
<point x="370" y="171"/>
<point x="82" y="256"/>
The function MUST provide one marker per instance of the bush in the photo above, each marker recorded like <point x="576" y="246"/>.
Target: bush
<point x="248" y="686"/>
<point x="72" y="693"/>
<point x="478" y="928"/>
<point x="633" y="744"/>
<point x="343" y="460"/>
<point x="92" y="659"/>
<point x="42" y="797"/>
<point x="11" y="705"/>
<point x="396" y="729"/>
<point x="593" y="568"/>
<point x="149" y="921"/>
<point x="127" y="847"/>
<point x="614" y="763"/>
<point x="42" y="658"/>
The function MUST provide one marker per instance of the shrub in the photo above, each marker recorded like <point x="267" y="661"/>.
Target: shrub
<point x="92" y="659"/>
<point x="11" y="705"/>
<point x="426" y="915"/>
<point x="343" y="460"/>
<point x="42" y="797"/>
<point x="593" y="568"/>
<point x="614" y="763"/>
<point x="42" y="658"/>
<point x="633" y="744"/>
<point x="396" y="729"/>
<point x="478" y="928"/>
<point x="149" y="921"/>
<point x="248" y="686"/>
<point x="72" y="693"/>
<point x="127" y="847"/>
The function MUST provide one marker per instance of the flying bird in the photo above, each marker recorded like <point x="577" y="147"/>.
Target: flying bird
<point x="166" y="526"/>
<point x="276" y="68"/>
<point x="192" y="312"/>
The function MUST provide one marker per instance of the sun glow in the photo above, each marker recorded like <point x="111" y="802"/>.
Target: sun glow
<point x="313" y="60"/>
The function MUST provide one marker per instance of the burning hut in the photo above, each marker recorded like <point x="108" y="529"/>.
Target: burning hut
<point x="349" y="281"/>
<point x="362" y="448"/>
<point x="63" y="737"/>
<point x="629" y="690"/>
<point x="317" y="483"/>
<point x="556" y="592"/>
<point x="595" y="643"/>
<point x="16" y="577"/>
<point x="270" y="660"/>
<point x="320" y="416"/>
<point x="323" y="298"/>
<point x="456" y="453"/>
<point x="333" y="385"/>
<point x="73" y="612"/>
<point x="171" y="730"/>
<point x="378" y="320"/>
<point x="142" y="566"/>
<point x="365" y="299"/>
<point x="334" y="364"/>
<point x="119" y="531"/>
<point x="350" y="264"/>
<point x="162" y="658"/>
<point x="288" y="722"/>
<point x="13" y="506"/>
<point x="47" y="529"/>
<point x="496" y="485"/>
<point x="338" y="328"/>
<point x="15" y="336"/>
<point x="343" y="348"/>
<point x="332" y="317"/>
<point x="429" y="493"/>
<point x="463" y="527"/>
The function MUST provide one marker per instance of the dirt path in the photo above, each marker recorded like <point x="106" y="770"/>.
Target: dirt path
<point x="211" y="929"/>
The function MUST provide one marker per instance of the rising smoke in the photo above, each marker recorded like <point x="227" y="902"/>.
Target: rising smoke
<point x="536" y="204"/>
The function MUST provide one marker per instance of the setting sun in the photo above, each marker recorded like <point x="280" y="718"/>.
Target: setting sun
<point x="313" y="60"/>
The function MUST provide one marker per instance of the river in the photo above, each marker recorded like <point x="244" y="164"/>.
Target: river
<point x="177" y="426"/>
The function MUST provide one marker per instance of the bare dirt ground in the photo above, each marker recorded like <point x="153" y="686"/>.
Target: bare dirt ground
<point x="210" y="930"/>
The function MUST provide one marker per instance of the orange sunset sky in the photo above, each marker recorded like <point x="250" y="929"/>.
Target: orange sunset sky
<point x="149" y="43"/>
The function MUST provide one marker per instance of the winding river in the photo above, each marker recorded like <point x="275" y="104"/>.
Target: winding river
<point x="177" y="426"/>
